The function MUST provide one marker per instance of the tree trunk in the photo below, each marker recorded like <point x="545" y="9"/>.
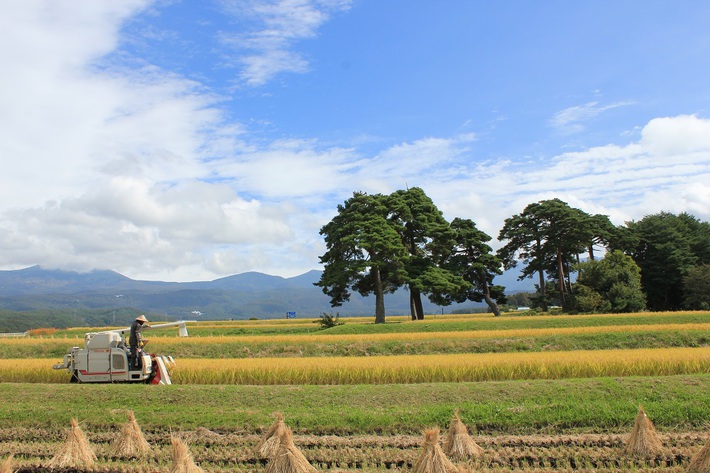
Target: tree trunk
<point x="412" y="309"/>
<point x="491" y="303"/>
<point x="543" y="292"/>
<point x="541" y="276"/>
<point x="415" y="303"/>
<point x="561" y="278"/>
<point x="379" y="297"/>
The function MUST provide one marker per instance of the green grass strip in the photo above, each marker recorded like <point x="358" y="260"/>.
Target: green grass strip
<point x="673" y="403"/>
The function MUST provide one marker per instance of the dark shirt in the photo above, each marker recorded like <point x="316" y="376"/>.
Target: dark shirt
<point x="135" y="337"/>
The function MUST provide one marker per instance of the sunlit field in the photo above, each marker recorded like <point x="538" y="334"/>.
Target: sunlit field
<point x="456" y="348"/>
<point x="444" y="368"/>
<point x="539" y="393"/>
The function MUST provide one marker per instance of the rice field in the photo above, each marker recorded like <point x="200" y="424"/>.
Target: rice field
<point x="405" y="369"/>
<point x="540" y="394"/>
<point x="440" y="335"/>
<point x="447" y="349"/>
<point x="34" y="450"/>
<point x="317" y="337"/>
<point x="444" y="368"/>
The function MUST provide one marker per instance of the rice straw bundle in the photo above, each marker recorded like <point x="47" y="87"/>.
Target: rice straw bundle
<point x="269" y="444"/>
<point x="182" y="458"/>
<point x="289" y="458"/>
<point x="131" y="442"/>
<point x="203" y="434"/>
<point x="8" y="465"/>
<point x="643" y="440"/>
<point x="433" y="459"/>
<point x="458" y="445"/>
<point x="76" y="453"/>
<point x="700" y="463"/>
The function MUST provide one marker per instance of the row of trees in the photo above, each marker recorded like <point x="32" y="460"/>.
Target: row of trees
<point x="379" y="243"/>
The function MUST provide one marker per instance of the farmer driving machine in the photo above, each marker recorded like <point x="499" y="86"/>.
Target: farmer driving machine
<point x="106" y="358"/>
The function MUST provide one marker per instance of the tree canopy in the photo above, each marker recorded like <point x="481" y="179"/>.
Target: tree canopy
<point x="696" y="288"/>
<point x="379" y="243"/>
<point x="548" y="236"/>
<point x="666" y="247"/>
<point x="428" y="239"/>
<point x="364" y="252"/>
<point x="475" y="261"/>
<point x="612" y="284"/>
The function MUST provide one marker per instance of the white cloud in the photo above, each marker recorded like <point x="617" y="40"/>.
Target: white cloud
<point x="104" y="166"/>
<point x="268" y="49"/>
<point x="163" y="228"/>
<point x="138" y="170"/>
<point x="573" y="119"/>
<point x="63" y="119"/>
<point x="667" y="169"/>
<point x="675" y="138"/>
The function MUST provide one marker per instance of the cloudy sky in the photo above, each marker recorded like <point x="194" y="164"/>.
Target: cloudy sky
<point x="190" y="140"/>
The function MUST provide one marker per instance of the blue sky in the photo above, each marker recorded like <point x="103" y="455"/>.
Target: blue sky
<point x="185" y="140"/>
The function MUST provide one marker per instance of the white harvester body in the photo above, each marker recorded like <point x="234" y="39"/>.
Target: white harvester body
<point x="105" y="358"/>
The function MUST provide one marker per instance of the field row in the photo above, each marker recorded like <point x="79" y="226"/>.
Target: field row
<point x="234" y="347"/>
<point x="324" y="343"/>
<point x="405" y="369"/>
<point x="444" y="368"/>
<point x="436" y="323"/>
<point x="227" y="451"/>
<point x="328" y="337"/>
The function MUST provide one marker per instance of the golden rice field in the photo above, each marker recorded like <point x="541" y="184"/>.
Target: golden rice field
<point x="197" y="365"/>
<point x="398" y="336"/>
<point x="444" y="368"/>
<point x="406" y="369"/>
<point x="467" y="334"/>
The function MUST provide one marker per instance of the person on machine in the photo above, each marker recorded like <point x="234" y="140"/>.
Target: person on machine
<point x="135" y="340"/>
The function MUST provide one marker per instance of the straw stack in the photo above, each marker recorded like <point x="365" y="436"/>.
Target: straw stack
<point x="269" y="444"/>
<point x="131" y="442"/>
<point x="289" y="458"/>
<point x="643" y="440"/>
<point x="182" y="458"/>
<point x="203" y="435"/>
<point x="700" y="463"/>
<point x="8" y="465"/>
<point x="76" y="452"/>
<point x="458" y="445"/>
<point x="433" y="459"/>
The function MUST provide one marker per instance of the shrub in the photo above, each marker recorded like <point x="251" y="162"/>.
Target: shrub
<point x="329" y="320"/>
<point x="41" y="332"/>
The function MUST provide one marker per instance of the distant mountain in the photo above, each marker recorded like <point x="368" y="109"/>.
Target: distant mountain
<point x="36" y="280"/>
<point x="245" y="295"/>
<point x="245" y="281"/>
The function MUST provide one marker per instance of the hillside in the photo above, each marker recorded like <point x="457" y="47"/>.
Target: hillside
<point x="240" y="296"/>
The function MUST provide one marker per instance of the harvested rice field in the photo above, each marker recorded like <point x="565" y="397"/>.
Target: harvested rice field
<point x="33" y="451"/>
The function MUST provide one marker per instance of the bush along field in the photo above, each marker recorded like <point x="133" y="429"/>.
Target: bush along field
<point x="450" y="393"/>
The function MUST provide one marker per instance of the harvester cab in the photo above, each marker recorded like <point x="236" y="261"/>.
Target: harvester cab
<point x="106" y="358"/>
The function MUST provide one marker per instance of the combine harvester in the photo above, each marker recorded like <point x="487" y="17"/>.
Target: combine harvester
<point x="106" y="358"/>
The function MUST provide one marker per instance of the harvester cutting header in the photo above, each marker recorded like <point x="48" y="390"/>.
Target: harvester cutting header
<point x="107" y="357"/>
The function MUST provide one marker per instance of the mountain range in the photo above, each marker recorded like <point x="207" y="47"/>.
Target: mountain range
<point x="240" y="296"/>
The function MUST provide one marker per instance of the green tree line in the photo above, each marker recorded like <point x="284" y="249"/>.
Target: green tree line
<point x="379" y="243"/>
